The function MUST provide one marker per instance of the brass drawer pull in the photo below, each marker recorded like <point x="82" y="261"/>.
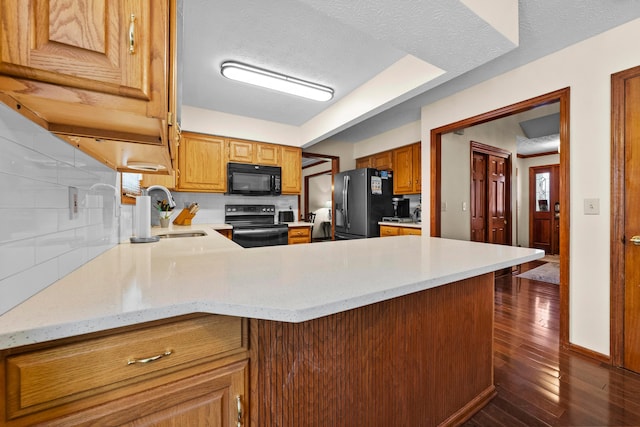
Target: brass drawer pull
<point x="149" y="359"/>
<point x="132" y="34"/>
<point x="239" y="410"/>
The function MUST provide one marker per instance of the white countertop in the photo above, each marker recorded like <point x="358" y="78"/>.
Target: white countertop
<point x="134" y="283"/>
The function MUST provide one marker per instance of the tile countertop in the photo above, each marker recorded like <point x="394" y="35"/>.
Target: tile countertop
<point x="135" y="283"/>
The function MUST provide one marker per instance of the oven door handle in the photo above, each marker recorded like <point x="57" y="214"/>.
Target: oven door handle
<point x="263" y="231"/>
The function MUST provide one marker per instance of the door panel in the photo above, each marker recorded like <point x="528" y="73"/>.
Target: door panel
<point x="544" y="221"/>
<point x="632" y="225"/>
<point x="497" y="199"/>
<point x="478" y="197"/>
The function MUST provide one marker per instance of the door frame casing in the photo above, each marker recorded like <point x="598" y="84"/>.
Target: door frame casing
<point x="563" y="97"/>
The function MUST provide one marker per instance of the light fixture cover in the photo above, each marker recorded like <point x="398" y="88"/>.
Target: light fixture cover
<point x="276" y="81"/>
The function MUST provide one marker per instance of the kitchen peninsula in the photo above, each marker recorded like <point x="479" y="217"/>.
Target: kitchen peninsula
<point x="393" y="331"/>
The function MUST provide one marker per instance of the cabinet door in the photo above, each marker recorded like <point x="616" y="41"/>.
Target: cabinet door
<point x="291" y="170"/>
<point x="241" y="151"/>
<point x="389" y="230"/>
<point x="405" y="231"/>
<point x="98" y="45"/>
<point x="267" y="154"/>
<point x="363" y="162"/>
<point x="383" y="161"/>
<point x="403" y="170"/>
<point x="205" y="399"/>
<point x="168" y="181"/>
<point x="417" y="167"/>
<point x="202" y="163"/>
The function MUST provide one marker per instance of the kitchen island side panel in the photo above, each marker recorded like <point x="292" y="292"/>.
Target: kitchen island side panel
<point x="423" y="359"/>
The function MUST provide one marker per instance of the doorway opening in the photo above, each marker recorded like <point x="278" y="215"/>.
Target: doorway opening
<point x="318" y="171"/>
<point x="562" y="97"/>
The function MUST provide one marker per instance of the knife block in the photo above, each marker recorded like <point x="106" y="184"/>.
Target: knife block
<point x="184" y="217"/>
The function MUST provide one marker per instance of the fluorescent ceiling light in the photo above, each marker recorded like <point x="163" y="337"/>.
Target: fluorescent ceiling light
<point x="280" y="82"/>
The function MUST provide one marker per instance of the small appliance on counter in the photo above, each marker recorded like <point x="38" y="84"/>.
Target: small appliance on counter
<point x="285" y="216"/>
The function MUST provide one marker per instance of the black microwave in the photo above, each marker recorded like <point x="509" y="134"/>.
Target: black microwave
<point x="253" y="180"/>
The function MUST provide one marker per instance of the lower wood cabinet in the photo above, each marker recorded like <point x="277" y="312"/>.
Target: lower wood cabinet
<point x="228" y="233"/>
<point x="300" y="234"/>
<point x="192" y="371"/>
<point x="398" y="230"/>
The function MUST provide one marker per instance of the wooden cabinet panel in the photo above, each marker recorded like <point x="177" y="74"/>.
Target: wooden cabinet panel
<point x="241" y="151"/>
<point x="94" y="381"/>
<point x="363" y="162"/>
<point x="83" y="44"/>
<point x="407" y="169"/>
<point x="417" y="167"/>
<point x="404" y="231"/>
<point x="398" y="230"/>
<point x="228" y="233"/>
<point x="387" y="230"/>
<point x="267" y="154"/>
<point x="383" y="161"/>
<point x="206" y="399"/>
<point x="67" y="65"/>
<point x="403" y="171"/>
<point x="168" y="181"/>
<point x="202" y="163"/>
<point x="299" y="235"/>
<point x="291" y="170"/>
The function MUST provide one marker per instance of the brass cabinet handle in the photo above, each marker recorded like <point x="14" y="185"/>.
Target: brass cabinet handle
<point x="132" y="33"/>
<point x="149" y="359"/>
<point x="635" y="240"/>
<point x="239" y="408"/>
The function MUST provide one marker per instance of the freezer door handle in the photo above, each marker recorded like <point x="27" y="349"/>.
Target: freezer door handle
<point x="345" y="203"/>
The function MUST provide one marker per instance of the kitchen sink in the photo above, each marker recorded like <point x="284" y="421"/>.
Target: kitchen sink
<point x="182" y="234"/>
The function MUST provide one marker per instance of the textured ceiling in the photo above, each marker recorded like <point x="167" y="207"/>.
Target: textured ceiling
<point x="344" y="44"/>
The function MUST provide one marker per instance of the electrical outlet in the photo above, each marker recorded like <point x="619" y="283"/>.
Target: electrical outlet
<point x="464" y="206"/>
<point x="592" y="206"/>
<point x="73" y="203"/>
<point x="443" y="208"/>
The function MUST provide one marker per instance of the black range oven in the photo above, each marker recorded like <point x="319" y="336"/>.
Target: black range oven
<point x="254" y="225"/>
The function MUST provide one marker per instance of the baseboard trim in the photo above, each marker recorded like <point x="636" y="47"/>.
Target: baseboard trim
<point x="590" y="353"/>
<point x="471" y="408"/>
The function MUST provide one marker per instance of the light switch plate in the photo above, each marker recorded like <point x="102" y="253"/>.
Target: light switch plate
<point x="592" y="206"/>
<point x="73" y="203"/>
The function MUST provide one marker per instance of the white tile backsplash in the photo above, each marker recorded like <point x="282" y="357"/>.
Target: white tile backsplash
<point x="39" y="242"/>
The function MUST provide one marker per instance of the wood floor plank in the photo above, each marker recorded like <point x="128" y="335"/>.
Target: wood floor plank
<point x="538" y="383"/>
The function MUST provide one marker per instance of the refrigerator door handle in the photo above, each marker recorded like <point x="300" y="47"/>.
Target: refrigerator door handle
<point x="345" y="197"/>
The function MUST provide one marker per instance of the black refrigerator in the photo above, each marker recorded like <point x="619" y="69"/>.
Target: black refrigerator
<point x="362" y="197"/>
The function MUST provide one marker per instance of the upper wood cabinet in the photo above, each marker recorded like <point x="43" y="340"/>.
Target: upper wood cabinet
<point x="91" y="69"/>
<point x="381" y="161"/>
<point x="259" y="153"/>
<point x="406" y="164"/>
<point x="202" y="163"/>
<point x="291" y="170"/>
<point x="407" y="169"/>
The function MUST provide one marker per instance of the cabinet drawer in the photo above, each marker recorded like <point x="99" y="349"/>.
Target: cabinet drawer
<point x="410" y="231"/>
<point x="299" y="235"/>
<point x="64" y="373"/>
<point x="386" y="231"/>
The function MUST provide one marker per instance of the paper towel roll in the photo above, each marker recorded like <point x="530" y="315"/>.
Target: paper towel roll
<point x="143" y="215"/>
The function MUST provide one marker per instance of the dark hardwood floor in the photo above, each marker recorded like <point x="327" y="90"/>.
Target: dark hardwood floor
<point x="541" y="384"/>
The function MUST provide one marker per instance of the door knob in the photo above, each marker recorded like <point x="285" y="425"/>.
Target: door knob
<point x="635" y="240"/>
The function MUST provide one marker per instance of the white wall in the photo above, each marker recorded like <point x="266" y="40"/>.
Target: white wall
<point x="586" y="67"/>
<point x="39" y="243"/>
<point x="403" y="135"/>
